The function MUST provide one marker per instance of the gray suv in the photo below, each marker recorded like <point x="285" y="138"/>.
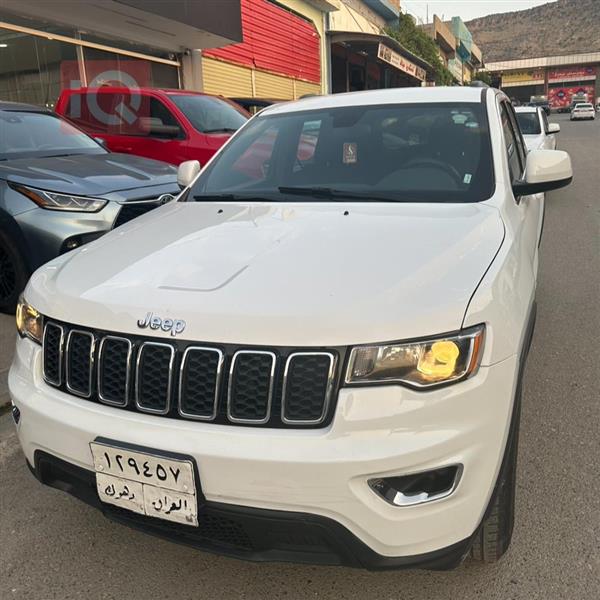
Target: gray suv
<point x="60" y="188"/>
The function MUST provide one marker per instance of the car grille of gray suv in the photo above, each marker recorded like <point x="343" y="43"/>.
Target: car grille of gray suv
<point x="227" y="384"/>
<point x="136" y="208"/>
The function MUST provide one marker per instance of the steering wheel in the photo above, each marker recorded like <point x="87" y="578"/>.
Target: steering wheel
<point x="434" y="162"/>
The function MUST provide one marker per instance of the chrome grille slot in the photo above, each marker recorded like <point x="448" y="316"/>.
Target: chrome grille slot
<point x="52" y="354"/>
<point x="228" y="385"/>
<point x="307" y="386"/>
<point x="114" y="370"/>
<point x="79" y="362"/>
<point x="199" y="379"/>
<point x="154" y="377"/>
<point x="251" y="386"/>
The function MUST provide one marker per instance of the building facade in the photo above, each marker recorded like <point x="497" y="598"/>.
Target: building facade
<point x="282" y="55"/>
<point x="559" y="78"/>
<point x="362" y="56"/>
<point x="49" y="45"/>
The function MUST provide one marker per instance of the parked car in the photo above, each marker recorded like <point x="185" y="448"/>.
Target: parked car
<point x="543" y="104"/>
<point x="168" y="125"/>
<point x="537" y="132"/>
<point x="322" y="364"/>
<point x="583" y="111"/>
<point x="59" y="189"/>
<point x="254" y="105"/>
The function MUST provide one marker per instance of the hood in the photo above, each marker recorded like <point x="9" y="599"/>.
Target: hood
<point x="88" y="174"/>
<point x="279" y="274"/>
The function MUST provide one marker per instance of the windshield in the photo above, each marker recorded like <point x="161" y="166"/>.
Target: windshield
<point x="583" y="105"/>
<point x="529" y="123"/>
<point x="209" y="114"/>
<point x="410" y="152"/>
<point x="37" y="135"/>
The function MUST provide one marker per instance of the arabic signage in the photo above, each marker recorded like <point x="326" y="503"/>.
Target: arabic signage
<point x="522" y="77"/>
<point x="397" y="60"/>
<point x="572" y="74"/>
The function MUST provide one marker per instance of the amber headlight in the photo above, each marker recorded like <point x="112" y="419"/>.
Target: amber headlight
<point x="29" y="321"/>
<point x="422" y="363"/>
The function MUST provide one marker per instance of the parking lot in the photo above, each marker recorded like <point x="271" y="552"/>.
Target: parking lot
<point x="53" y="546"/>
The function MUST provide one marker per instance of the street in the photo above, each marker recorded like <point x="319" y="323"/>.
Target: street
<point x="53" y="546"/>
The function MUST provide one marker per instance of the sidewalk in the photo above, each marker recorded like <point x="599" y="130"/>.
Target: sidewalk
<point x="7" y="345"/>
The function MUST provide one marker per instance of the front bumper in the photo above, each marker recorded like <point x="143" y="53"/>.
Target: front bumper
<point x="311" y="476"/>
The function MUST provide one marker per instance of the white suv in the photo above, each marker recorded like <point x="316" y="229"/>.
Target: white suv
<point x="316" y="354"/>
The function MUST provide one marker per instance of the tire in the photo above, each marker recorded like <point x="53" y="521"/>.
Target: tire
<point x="13" y="274"/>
<point x="493" y="537"/>
<point x="495" y="532"/>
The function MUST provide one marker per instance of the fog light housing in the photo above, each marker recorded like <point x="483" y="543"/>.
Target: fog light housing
<point x="418" y="488"/>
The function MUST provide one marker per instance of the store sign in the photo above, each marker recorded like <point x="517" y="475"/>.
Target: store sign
<point x="397" y="60"/>
<point x="563" y="96"/>
<point x="572" y="74"/>
<point x="522" y="77"/>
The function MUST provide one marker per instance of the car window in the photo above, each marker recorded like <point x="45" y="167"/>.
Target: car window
<point x="28" y="134"/>
<point x="151" y="119"/>
<point x="545" y="122"/>
<point x="253" y="163"/>
<point x="529" y="122"/>
<point x="515" y="163"/>
<point x="437" y="152"/>
<point x="92" y="111"/>
<point x="209" y="114"/>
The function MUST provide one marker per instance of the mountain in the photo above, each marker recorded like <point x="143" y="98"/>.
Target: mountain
<point x="561" y="27"/>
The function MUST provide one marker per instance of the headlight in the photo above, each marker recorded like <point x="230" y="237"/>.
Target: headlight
<point x="55" y="201"/>
<point x="29" y="321"/>
<point x="420" y="364"/>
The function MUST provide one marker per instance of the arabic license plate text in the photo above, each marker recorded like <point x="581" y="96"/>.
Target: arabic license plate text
<point x="147" y="484"/>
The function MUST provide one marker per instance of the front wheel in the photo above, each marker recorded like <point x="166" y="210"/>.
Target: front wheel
<point x="495" y="532"/>
<point x="13" y="274"/>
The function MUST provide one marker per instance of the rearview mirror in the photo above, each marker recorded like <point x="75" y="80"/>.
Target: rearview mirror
<point x="187" y="172"/>
<point x="545" y="170"/>
<point x="553" y="127"/>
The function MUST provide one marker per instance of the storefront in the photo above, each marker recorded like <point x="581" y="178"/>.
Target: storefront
<point x="282" y="56"/>
<point x="361" y="61"/>
<point x="48" y="46"/>
<point x="565" y="83"/>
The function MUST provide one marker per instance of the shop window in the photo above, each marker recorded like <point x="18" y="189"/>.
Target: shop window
<point x="34" y="69"/>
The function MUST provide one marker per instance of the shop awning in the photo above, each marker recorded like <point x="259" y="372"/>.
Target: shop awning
<point x="164" y="24"/>
<point x="386" y="49"/>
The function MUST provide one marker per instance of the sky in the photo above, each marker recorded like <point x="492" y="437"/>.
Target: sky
<point x="466" y="9"/>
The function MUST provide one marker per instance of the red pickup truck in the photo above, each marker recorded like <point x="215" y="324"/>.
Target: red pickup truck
<point x="168" y="125"/>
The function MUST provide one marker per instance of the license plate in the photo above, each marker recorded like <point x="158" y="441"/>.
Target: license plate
<point x="146" y="483"/>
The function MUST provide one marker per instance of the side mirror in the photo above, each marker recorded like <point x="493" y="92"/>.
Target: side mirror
<point x="545" y="170"/>
<point x="553" y="127"/>
<point x="187" y="172"/>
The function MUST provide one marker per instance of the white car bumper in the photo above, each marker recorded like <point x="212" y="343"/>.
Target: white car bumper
<point x="376" y="431"/>
<point x="583" y="115"/>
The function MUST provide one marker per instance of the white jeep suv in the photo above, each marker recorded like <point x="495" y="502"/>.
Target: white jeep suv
<point x="316" y="354"/>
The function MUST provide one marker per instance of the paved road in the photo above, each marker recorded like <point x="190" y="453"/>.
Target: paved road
<point x="54" y="547"/>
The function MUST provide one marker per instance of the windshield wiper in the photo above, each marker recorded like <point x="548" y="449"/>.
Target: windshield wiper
<point x="338" y="195"/>
<point x="221" y="130"/>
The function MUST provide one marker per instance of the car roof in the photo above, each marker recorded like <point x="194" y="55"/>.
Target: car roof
<point x="527" y="109"/>
<point x="423" y="95"/>
<point x="112" y="89"/>
<point x="20" y="106"/>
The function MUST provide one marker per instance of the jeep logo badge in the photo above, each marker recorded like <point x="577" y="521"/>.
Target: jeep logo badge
<point x="175" y="326"/>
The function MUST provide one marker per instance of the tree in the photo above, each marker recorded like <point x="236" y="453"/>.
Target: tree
<point x="483" y="76"/>
<point x="415" y="40"/>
